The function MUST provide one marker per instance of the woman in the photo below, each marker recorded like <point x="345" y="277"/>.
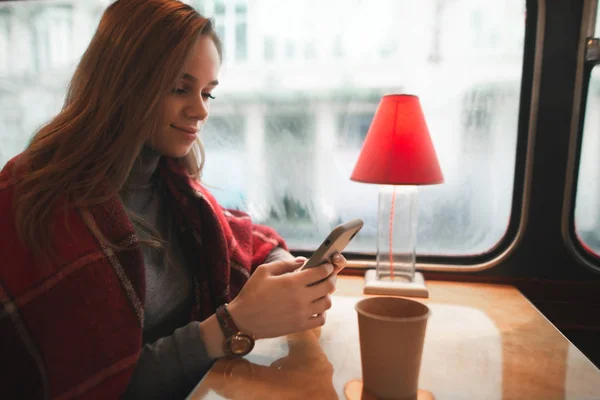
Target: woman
<point x="121" y="274"/>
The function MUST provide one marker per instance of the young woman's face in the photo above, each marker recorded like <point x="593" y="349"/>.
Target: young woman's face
<point x="186" y="108"/>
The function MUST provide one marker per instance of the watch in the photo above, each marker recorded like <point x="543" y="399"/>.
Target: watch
<point x="236" y="343"/>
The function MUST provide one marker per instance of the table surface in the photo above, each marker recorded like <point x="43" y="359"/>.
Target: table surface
<point x="483" y="341"/>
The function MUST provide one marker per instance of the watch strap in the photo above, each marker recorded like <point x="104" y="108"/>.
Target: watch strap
<point x="236" y="343"/>
<point x="228" y="327"/>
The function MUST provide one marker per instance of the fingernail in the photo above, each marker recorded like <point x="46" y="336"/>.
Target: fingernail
<point x="337" y="258"/>
<point x="299" y="260"/>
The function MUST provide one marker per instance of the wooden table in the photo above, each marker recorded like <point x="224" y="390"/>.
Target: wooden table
<point x="483" y="341"/>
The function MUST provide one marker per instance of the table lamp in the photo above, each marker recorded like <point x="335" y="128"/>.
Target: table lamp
<point x="397" y="154"/>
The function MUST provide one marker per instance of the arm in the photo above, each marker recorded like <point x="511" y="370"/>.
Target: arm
<point x="171" y="366"/>
<point x="278" y="254"/>
<point x="209" y="329"/>
<point x="267" y="307"/>
<point x="278" y="300"/>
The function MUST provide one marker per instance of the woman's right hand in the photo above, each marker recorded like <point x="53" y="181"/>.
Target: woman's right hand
<point x="277" y="301"/>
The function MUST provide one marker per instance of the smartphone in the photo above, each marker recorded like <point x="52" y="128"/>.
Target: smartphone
<point x="336" y="241"/>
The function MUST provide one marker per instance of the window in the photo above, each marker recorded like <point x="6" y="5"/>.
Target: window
<point x="310" y="51"/>
<point x="52" y="35"/>
<point x="36" y="42"/>
<point x="5" y="16"/>
<point x="224" y="138"/>
<point x="587" y="200"/>
<point x="224" y="133"/>
<point x="269" y="49"/>
<point x="9" y="126"/>
<point x="352" y="129"/>
<point x="290" y="50"/>
<point x="587" y="203"/>
<point x="298" y="112"/>
<point x="231" y="20"/>
<point x="289" y="136"/>
<point x="457" y="56"/>
<point x="220" y="8"/>
<point x="241" y="32"/>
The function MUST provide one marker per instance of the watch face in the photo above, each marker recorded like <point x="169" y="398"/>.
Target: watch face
<point x="240" y="344"/>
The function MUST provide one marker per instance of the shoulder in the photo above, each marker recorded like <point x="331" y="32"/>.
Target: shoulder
<point x="16" y="258"/>
<point x="7" y="174"/>
<point x="65" y="223"/>
<point x="7" y="190"/>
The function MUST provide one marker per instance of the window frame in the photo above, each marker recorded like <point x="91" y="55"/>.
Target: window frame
<point x="526" y="131"/>
<point x="581" y="251"/>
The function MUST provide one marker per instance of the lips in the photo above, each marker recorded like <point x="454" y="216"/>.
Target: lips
<point x="187" y="129"/>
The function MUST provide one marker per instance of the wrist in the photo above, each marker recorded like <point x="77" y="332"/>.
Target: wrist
<point x="213" y="337"/>
<point x="239" y="317"/>
<point x="237" y="343"/>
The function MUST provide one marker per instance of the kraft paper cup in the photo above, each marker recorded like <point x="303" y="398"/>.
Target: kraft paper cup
<point x="392" y="333"/>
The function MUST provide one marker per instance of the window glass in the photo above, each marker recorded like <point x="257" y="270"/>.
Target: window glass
<point x="587" y="200"/>
<point x="241" y="41"/>
<point x="316" y="82"/>
<point x="52" y="36"/>
<point x="298" y="89"/>
<point x="224" y="138"/>
<point x="290" y="170"/>
<point x="5" y="17"/>
<point x="269" y="48"/>
<point x="352" y="128"/>
<point x="219" y="7"/>
<point x="40" y="43"/>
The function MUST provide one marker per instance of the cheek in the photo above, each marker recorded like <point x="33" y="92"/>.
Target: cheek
<point x="170" y="110"/>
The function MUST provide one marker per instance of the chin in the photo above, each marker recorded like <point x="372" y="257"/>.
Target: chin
<point x="176" y="152"/>
<point x="180" y="153"/>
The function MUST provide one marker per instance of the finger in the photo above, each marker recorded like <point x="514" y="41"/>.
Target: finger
<point x="321" y="305"/>
<point x="316" y="321"/>
<point x="301" y="261"/>
<point x="277" y="268"/>
<point x="339" y="262"/>
<point x="312" y="275"/>
<point x="332" y="277"/>
<point x="322" y="288"/>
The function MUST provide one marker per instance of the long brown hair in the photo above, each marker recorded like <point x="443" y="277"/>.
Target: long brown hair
<point x="83" y="156"/>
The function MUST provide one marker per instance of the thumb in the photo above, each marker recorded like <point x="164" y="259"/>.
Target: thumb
<point x="283" y="267"/>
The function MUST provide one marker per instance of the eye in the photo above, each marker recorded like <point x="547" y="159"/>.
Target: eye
<point x="208" y="96"/>
<point x="179" y="92"/>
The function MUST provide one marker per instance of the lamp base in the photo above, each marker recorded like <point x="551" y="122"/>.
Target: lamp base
<point x="397" y="287"/>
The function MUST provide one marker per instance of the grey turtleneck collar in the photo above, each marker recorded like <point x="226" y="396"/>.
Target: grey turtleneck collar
<point x="143" y="168"/>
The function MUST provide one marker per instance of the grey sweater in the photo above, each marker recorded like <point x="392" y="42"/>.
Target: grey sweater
<point x="173" y="357"/>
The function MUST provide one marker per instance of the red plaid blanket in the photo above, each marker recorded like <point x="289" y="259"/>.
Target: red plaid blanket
<point x="72" y="328"/>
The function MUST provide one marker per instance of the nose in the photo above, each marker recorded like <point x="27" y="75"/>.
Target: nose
<point x="197" y="108"/>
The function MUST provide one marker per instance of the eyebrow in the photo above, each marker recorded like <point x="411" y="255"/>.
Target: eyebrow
<point x="192" y="78"/>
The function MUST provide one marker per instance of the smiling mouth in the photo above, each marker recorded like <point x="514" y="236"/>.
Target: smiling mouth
<point x="185" y="130"/>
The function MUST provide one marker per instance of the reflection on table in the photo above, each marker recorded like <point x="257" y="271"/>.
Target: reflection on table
<point x="482" y="342"/>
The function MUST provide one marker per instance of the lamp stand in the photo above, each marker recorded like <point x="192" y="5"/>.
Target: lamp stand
<point x="395" y="272"/>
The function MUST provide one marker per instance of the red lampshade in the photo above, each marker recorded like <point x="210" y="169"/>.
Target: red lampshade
<point x="398" y="149"/>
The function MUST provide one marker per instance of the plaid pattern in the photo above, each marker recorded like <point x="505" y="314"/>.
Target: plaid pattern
<point x="72" y="327"/>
